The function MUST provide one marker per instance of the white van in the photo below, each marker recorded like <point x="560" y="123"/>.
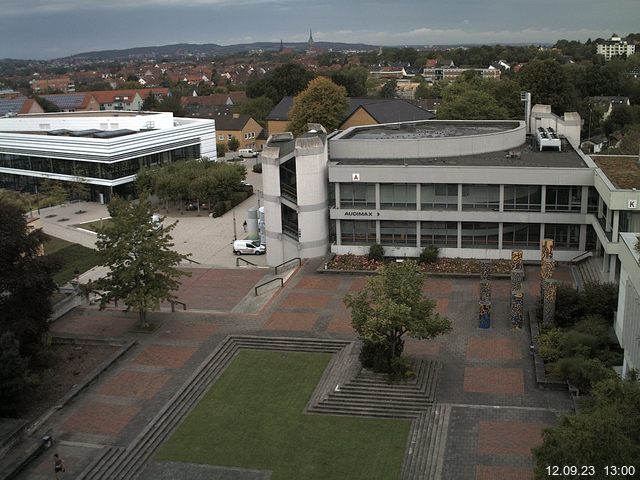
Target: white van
<point x="251" y="247"/>
<point x="247" y="153"/>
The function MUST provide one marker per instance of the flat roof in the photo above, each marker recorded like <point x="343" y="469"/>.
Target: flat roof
<point x="429" y="129"/>
<point x="527" y="155"/>
<point x="91" y="113"/>
<point x="622" y="171"/>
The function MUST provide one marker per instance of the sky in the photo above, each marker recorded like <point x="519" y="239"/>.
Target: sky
<point x="45" y="29"/>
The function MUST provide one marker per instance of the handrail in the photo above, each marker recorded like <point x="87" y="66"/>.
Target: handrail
<point x="581" y="257"/>
<point x="193" y="261"/>
<point x="267" y="283"/>
<point x="245" y="261"/>
<point x="288" y="261"/>
<point x="173" y="305"/>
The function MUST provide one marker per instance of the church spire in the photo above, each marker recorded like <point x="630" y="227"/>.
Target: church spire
<point x="310" y="42"/>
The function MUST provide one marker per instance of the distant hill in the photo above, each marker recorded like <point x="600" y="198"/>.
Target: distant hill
<point x="192" y="49"/>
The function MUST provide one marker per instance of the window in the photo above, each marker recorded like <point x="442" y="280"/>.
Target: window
<point x="480" y="197"/>
<point x="440" y="234"/>
<point x="479" y="235"/>
<point x="521" y="235"/>
<point x="221" y="137"/>
<point x="563" y="199"/>
<point x="398" y="196"/>
<point x="592" y="201"/>
<point x="398" y="233"/>
<point x="563" y="236"/>
<point x="229" y="136"/>
<point x="522" y="198"/>
<point x="439" y="196"/>
<point x="357" y="232"/>
<point x="357" y="195"/>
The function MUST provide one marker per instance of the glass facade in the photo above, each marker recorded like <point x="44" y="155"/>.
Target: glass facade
<point x="400" y="196"/>
<point x="479" y="235"/>
<point x="521" y="235"/>
<point x="358" y="195"/>
<point x="563" y="236"/>
<point x="522" y="198"/>
<point x="353" y="232"/>
<point x="288" y="186"/>
<point x="563" y="199"/>
<point x="481" y="197"/>
<point x="440" y="234"/>
<point x="398" y="233"/>
<point x="100" y="170"/>
<point x="439" y="196"/>
<point x="290" y="222"/>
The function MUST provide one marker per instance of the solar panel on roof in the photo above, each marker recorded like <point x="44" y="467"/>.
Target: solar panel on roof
<point x="66" y="101"/>
<point x="11" y="105"/>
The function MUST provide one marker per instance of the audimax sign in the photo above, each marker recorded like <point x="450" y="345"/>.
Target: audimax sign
<point x="360" y="213"/>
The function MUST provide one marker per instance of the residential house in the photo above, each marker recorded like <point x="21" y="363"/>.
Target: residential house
<point x="360" y="111"/>
<point x="11" y="106"/>
<point x="63" y="84"/>
<point x="217" y="99"/>
<point x="393" y="71"/>
<point x="127" y="100"/>
<point x="606" y="104"/>
<point x="242" y="127"/>
<point x="74" y="102"/>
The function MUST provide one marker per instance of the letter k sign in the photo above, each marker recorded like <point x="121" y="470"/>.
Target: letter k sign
<point x="633" y="204"/>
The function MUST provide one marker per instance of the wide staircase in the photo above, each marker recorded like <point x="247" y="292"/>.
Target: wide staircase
<point x="344" y="389"/>
<point x="590" y="271"/>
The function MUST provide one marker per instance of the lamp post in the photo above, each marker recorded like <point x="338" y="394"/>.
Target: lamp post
<point x="235" y="234"/>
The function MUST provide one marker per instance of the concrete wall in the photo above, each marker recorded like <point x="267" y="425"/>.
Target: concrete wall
<point x="569" y="125"/>
<point x="270" y="158"/>
<point x="391" y="148"/>
<point x="85" y="121"/>
<point x="627" y="322"/>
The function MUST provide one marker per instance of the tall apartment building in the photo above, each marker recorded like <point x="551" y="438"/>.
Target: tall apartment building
<point x="614" y="47"/>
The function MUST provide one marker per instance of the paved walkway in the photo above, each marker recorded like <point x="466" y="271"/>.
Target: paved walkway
<point x="497" y="412"/>
<point x="208" y="240"/>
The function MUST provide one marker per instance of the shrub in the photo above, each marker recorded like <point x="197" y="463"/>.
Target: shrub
<point x="582" y="372"/>
<point x="429" y="254"/>
<point x="237" y="198"/>
<point x="257" y="168"/>
<point x="574" y="343"/>
<point x="221" y="149"/>
<point x="376" y="252"/>
<point x="568" y="306"/>
<point x="14" y="375"/>
<point x="378" y="357"/>
<point x="549" y="345"/>
<point x="600" y="299"/>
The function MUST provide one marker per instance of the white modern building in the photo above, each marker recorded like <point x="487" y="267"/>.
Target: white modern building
<point x="102" y="149"/>
<point x="614" y="47"/>
<point x="475" y="189"/>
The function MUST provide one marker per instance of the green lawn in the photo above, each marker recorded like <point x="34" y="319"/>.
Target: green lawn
<point x="253" y="418"/>
<point x="93" y="226"/>
<point x="69" y="256"/>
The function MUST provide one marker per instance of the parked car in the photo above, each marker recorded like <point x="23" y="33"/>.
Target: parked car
<point x="251" y="247"/>
<point x="247" y="153"/>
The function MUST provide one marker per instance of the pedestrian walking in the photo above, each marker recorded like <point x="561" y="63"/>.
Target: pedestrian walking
<point x="58" y="465"/>
<point x="244" y="225"/>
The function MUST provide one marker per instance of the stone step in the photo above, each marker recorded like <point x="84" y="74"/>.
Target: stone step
<point x="412" y="403"/>
<point x="435" y="444"/>
<point x="350" y="410"/>
<point x="380" y="392"/>
<point x="418" y="425"/>
<point x="106" y="457"/>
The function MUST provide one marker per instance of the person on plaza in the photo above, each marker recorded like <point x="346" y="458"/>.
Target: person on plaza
<point x="58" y="465"/>
<point x="244" y="225"/>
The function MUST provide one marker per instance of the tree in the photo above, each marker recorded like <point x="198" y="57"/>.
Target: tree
<point x="25" y="283"/>
<point x="389" y="89"/>
<point x="54" y="191"/>
<point x="287" y="79"/>
<point x="150" y="102"/>
<point x="221" y="149"/>
<point x="548" y="83"/>
<point x="322" y="102"/>
<point x="233" y="144"/>
<point x="604" y="434"/>
<point x="79" y="189"/>
<point x="391" y="305"/>
<point x="354" y="79"/>
<point x="14" y="374"/>
<point x="257" y="108"/>
<point x="469" y="104"/>
<point x="142" y="266"/>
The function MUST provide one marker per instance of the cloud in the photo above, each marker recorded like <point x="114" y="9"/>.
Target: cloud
<point x="31" y="7"/>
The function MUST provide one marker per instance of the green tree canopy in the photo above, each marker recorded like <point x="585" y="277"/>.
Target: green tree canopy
<point x="389" y="89"/>
<point x="288" y="79"/>
<point x="25" y="282"/>
<point x="606" y="433"/>
<point x="142" y="265"/>
<point x="391" y="305"/>
<point x="353" y="78"/>
<point x="322" y="102"/>
<point x="233" y="144"/>
<point x="549" y="85"/>
<point x="257" y="108"/>
<point x="463" y="101"/>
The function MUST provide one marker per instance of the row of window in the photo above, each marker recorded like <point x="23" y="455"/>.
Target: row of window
<point x="247" y="136"/>
<point x="525" y="198"/>
<point x="108" y="171"/>
<point x="445" y="234"/>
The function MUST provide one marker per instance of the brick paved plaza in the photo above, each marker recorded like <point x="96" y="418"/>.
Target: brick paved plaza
<point x="497" y="413"/>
